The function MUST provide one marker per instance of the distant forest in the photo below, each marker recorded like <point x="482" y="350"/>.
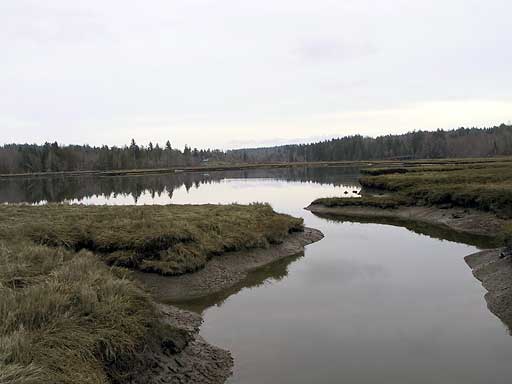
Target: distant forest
<point x="462" y="142"/>
<point x="52" y="157"/>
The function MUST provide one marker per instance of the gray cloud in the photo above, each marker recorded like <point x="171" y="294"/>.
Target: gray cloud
<point x="331" y="49"/>
<point x="34" y="22"/>
<point x="222" y="73"/>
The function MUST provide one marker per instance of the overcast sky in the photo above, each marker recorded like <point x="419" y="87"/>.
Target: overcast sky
<point x="231" y="73"/>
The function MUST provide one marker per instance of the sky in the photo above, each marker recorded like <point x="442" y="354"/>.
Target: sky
<point x="237" y="73"/>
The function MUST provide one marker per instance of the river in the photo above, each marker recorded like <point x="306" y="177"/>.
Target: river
<point x="368" y="303"/>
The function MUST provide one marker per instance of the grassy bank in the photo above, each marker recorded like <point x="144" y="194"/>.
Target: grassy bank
<point x="66" y="316"/>
<point x="384" y="202"/>
<point x="484" y="185"/>
<point x="169" y="240"/>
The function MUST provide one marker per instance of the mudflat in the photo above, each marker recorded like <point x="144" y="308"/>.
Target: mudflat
<point x="470" y="221"/>
<point x="223" y="272"/>
<point x="495" y="273"/>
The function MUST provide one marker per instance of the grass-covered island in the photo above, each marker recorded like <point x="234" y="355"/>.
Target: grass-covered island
<point x="467" y="200"/>
<point x="71" y="310"/>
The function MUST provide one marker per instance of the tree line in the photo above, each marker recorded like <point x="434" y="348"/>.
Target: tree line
<point x="462" y="142"/>
<point x="52" y="157"/>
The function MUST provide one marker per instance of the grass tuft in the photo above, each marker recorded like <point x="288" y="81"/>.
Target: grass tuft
<point x="69" y="319"/>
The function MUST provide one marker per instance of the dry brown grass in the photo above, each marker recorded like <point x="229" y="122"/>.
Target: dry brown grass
<point x="481" y="184"/>
<point x="170" y="240"/>
<point x="67" y="318"/>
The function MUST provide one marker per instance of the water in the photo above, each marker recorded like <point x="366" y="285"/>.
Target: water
<point x="369" y="303"/>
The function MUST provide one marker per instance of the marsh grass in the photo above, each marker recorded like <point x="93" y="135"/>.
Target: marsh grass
<point x="437" y="166"/>
<point x="385" y="202"/>
<point x="169" y="240"/>
<point x="67" y="318"/>
<point x="481" y="184"/>
<point x="486" y="186"/>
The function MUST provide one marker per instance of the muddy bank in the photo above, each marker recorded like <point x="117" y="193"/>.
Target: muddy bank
<point x="495" y="273"/>
<point x="196" y="361"/>
<point x="482" y="226"/>
<point x="455" y="224"/>
<point x="223" y="272"/>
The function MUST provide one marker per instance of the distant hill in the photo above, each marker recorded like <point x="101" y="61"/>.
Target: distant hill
<point x="462" y="142"/>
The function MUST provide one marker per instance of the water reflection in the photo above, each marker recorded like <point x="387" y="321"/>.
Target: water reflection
<point x="369" y="303"/>
<point x="433" y="231"/>
<point x="148" y="189"/>
<point x="261" y="276"/>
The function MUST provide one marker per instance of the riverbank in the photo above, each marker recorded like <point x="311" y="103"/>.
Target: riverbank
<point x="464" y="225"/>
<point x="482" y="229"/>
<point x="196" y="362"/>
<point x="224" y="272"/>
<point x="205" y="168"/>
<point x="71" y="309"/>
<point x="200" y="362"/>
<point x="495" y="274"/>
<point x="473" y="198"/>
<point x="464" y="202"/>
<point x="169" y="240"/>
<point x="397" y="165"/>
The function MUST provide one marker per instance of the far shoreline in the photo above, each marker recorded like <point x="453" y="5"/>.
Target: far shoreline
<point x="249" y="166"/>
<point x="191" y="169"/>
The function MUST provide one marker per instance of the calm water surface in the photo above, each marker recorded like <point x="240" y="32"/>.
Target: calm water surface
<point x="369" y="303"/>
